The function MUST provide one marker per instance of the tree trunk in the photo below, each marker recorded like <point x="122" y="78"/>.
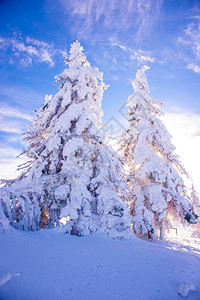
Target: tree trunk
<point x="162" y="230"/>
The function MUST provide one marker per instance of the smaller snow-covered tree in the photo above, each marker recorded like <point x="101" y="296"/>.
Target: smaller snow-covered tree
<point x="155" y="172"/>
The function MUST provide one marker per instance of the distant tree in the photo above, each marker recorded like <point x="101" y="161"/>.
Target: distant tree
<point x="73" y="178"/>
<point x="195" y="201"/>
<point x="196" y="204"/>
<point x="154" y="170"/>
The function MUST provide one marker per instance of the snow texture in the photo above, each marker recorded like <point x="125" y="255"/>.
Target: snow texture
<point x="154" y="171"/>
<point x="64" y="267"/>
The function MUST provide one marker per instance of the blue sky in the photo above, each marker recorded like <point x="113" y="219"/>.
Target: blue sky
<point x="118" y="37"/>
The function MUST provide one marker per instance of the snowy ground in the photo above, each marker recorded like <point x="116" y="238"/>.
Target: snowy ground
<point x="45" y="265"/>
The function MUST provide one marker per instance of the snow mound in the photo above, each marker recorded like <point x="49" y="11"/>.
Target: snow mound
<point x="185" y="287"/>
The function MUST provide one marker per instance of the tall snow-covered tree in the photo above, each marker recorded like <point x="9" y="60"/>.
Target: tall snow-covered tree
<point x="72" y="177"/>
<point x="155" y="172"/>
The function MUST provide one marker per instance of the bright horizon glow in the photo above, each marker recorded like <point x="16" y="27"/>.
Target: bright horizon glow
<point x="183" y="127"/>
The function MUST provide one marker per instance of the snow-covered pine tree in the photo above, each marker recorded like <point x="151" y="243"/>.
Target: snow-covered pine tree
<point x="73" y="179"/>
<point x="155" y="172"/>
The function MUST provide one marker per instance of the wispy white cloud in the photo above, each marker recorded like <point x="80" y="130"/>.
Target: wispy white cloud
<point x="9" y="111"/>
<point x="10" y="126"/>
<point x="7" y="153"/>
<point x="117" y="15"/>
<point x="118" y="58"/>
<point x="14" y="116"/>
<point x="12" y="123"/>
<point x="139" y="55"/>
<point x="115" y="77"/>
<point x="148" y="12"/>
<point x="21" y="96"/>
<point x="9" y="162"/>
<point x="12" y="120"/>
<point x="26" y="50"/>
<point x="193" y="67"/>
<point x="191" y="40"/>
